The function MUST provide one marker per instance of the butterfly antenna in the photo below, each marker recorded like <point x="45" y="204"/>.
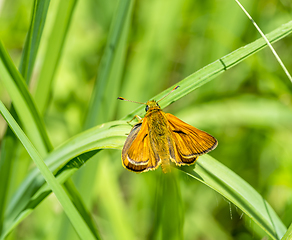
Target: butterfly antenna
<point x="121" y="98"/>
<point x="176" y="87"/>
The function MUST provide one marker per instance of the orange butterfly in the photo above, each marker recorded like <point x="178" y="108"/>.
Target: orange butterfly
<point x="161" y="137"/>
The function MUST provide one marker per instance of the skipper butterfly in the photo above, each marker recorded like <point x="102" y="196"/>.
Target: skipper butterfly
<point x="160" y="137"/>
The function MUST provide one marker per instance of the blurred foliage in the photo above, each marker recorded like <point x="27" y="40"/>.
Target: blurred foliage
<point x="248" y="109"/>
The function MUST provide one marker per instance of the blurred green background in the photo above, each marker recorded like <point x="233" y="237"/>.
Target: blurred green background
<point x="248" y="109"/>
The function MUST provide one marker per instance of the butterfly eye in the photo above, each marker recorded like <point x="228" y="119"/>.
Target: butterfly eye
<point x="146" y="108"/>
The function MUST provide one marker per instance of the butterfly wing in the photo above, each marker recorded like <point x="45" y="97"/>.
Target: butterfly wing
<point x="137" y="154"/>
<point x="189" y="142"/>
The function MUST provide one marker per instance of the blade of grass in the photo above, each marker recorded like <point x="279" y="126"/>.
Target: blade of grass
<point x="235" y="189"/>
<point x="5" y="170"/>
<point x="23" y="103"/>
<point x="53" y="53"/>
<point x="52" y="57"/>
<point x="39" y="14"/>
<point x="172" y="214"/>
<point x="244" y="110"/>
<point x="103" y="106"/>
<point x="63" y="161"/>
<point x="27" y="62"/>
<point x="267" y="41"/>
<point x="216" y="68"/>
<point x="74" y="216"/>
<point x="110" y="69"/>
<point x="111" y="203"/>
<point x="149" y="64"/>
<point x="288" y="234"/>
<point x="108" y="80"/>
<point x="112" y="135"/>
<point x="76" y="199"/>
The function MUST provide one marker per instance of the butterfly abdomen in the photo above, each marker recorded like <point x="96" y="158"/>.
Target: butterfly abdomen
<point x="159" y="135"/>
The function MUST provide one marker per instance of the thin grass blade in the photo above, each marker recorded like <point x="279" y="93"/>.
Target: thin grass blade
<point x="23" y="103"/>
<point x="63" y="162"/>
<point x="216" y="68"/>
<point x="82" y="229"/>
<point x="215" y="175"/>
<point x="38" y="19"/>
<point x="53" y="53"/>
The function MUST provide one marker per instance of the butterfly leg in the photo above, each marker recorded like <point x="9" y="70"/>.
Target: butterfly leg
<point x="136" y="116"/>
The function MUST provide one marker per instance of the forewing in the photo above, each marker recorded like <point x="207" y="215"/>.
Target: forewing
<point x="189" y="141"/>
<point x="137" y="154"/>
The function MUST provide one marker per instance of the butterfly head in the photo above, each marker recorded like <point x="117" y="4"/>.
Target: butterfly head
<point x="151" y="105"/>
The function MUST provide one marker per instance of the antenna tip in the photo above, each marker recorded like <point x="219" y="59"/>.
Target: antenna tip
<point x="176" y="87"/>
<point x="120" y="98"/>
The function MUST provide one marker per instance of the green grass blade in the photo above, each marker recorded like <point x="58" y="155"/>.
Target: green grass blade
<point x="64" y="162"/>
<point x="215" y="175"/>
<point x="76" y="199"/>
<point x="110" y="68"/>
<point x="27" y="62"/>
<point x="267" y="41"/>
<point x="288" y="234"/>
<point x="53" y="52"/>
<point x="207" y="170"/>
<point x="102" y="108"/>
<point x="23" y="103"/>
<point x="39" y="14"/>
<point x="5" y="170"/>
<point x="216" y="68"/>
<point x="74" y="216"/>
<point x="171" y="213"/>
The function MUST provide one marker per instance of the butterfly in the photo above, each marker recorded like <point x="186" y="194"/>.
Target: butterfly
<point x="160" y="138"/>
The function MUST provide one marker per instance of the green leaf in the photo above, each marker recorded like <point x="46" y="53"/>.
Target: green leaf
<point x="26" y="66"/>
<point x="53" y="53"/>
<point x="23" y="103"/>
<point x="64" y="162"/>
<point x="110" y="69"/>
<point x="39" y="14"/>
<point x="102" y="108"/>
<point x="71" y="211"/>
<point x="288" y="234"/>
<point x="215" y="175"/>
<point x="207" y="170"/>
<point x="209" y="72"/>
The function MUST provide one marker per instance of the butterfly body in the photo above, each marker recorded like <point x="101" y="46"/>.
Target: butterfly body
<point x="160" y="138"/>
<point x="159" y="134"/>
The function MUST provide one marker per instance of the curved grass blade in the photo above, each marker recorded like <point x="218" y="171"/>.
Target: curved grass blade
<point x="70" y="210"/>
<point x="63" y="162"/>
<point x="23" y="103"/>
<point x="288" y="234"/>
<point x="39" y="14"/>
<point x="77" y="201"/>
<point x="29" y="53"/>
<point x="112" y="135"/>
<point x="53" y="53"/>
<point x="216" y="68"/>
<point x="215" y="175"/>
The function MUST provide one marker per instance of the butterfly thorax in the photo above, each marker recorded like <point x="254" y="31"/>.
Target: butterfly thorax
<point x="159" y="133"/>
